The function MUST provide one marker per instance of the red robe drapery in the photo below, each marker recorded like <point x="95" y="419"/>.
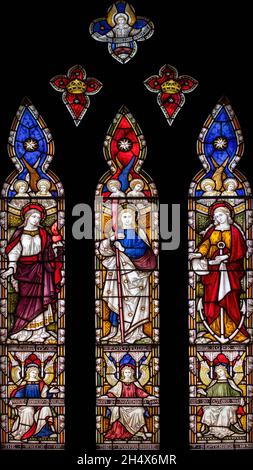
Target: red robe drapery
<point x="234" y="265"/>
<point x="38" y="279"/>
<point x="118" y="430"/>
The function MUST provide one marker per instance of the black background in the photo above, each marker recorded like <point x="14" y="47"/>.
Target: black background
<point x="210" y="42"/>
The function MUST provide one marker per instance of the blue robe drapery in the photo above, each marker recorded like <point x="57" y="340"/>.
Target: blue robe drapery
<point x="33" y="390"/>
<point x="134" y="247"/>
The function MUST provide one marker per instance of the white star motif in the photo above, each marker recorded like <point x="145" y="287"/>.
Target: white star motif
<point x="30" y="144"/>
<point x="220" y="143"/>
<point x="125" y="144"/>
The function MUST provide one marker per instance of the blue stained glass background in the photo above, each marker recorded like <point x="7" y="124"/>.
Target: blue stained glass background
<point x="221" y="127"/>
<point x="121" y="7"/>
<point x="101" y="24"/>
<point x="29" y="128"/>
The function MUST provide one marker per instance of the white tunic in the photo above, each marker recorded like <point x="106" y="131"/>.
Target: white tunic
<point x="29" y="246"/>
<point x="135" y="291"/>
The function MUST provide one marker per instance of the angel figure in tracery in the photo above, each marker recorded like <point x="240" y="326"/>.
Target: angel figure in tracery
<point x="121" y="29"/>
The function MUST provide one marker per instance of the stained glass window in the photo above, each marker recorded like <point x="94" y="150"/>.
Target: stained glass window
<point x="220" y="289"/>
<point x="32" y="320"/>
<point x="127" y="297"/>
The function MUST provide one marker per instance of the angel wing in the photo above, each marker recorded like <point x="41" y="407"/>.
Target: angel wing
<point x="15" y="370"/>
<point x="204" y="371"/>
<point x="238" y="369"/>
<point x="145" y="371"/>
<point x="110" y="15"/>
<point x="142" y="234"/>
<point x="110" y="371"/>
<point x="49" y="370"/>
<point x="131" y="14"/>
<point x="219" y="174"/>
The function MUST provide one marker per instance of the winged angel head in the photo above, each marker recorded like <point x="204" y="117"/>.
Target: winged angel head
<point x="33" y="368"/>
<point x="129" y="368"/>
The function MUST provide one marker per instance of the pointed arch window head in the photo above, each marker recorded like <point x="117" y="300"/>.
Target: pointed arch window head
<point x="32" y="290"/>
<point x="220" y="147"/>
<point x="220" y="288"/>
<point x="127" y="296"/>
<point x="125" y="150"/>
